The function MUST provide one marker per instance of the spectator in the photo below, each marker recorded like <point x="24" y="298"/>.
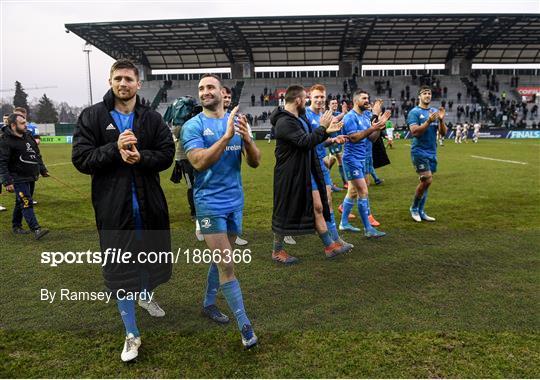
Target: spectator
<point x="253" y="100"/>
<point x="20" y="167"/>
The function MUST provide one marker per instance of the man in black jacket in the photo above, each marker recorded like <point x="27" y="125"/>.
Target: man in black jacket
<point x="296" y="164"/>
<point x="20" y="167"/>
<point x="123" y="145"/>
<point x="4" y="122"/>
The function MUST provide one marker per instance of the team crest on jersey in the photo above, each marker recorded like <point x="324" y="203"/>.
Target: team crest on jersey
<point x="205" y="223"/>
<point x="208" y="132"/>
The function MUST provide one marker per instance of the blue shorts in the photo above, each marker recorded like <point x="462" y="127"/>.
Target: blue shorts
<point x="327" y="178"/>
<point x="424" y="164"/>
<point x="368" y="167"/>
<point x="230" y="223"/>
<point x="354" y="170"/>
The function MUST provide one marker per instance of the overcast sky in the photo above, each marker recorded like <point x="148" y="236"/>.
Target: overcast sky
<point x="38" y="52"/>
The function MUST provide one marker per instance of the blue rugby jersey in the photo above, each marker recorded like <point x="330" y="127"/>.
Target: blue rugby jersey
<point x="218" y="189"/>
<point x="426" y="144"/>
<point x="352" y="123"/>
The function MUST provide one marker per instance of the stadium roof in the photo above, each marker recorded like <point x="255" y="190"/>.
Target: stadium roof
<point x="318" y="40"/>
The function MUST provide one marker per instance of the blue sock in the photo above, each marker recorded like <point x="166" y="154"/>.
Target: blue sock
<point x="326" y="238"/>
<point x="422" y="202"/>
<point x="127" y="312"/>
<point x="277" y="244"/>
<point x="342" y="173"/>
<point x="348" y="205"/>
<point x="363" y="210"/>
<point x="373" y="174"/>
<point x="233" y="295"/>
<point x="332" y="227"/>
<point x="416" y="202"/>
<point x="212" y="286"/>
<point x="368" y="207"/>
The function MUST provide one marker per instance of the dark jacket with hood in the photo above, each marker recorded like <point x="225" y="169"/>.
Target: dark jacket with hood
<point x="296" y="161"/>
<point x="95" y="152"/>
<point x="20" y="159"/>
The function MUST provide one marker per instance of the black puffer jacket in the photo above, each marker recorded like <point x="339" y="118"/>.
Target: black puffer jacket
<point x="296" y="161"/>
<point x="20" y="159"/>
<point x="95" y="152"/>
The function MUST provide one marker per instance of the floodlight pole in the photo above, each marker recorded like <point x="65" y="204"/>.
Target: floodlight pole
<point x="87" y="49"/>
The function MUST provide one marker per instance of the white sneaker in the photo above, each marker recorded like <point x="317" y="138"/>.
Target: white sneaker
<point x="198" y="233"/>
<point x="131" y="347"/>
<point x="289" y="240"/>
<point x="240" y="241"/>
<point x="2" y="208"/>
<point x="426" y="217"/>
<point x="153" y="308"/>
<point x="415" y="214"/>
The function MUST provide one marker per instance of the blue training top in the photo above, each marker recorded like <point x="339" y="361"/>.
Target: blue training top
<point x="218" y="189"/>
<point x="354" y="122"/>
<point x="426" y="144"/>
<point x="124" y="122"/>
<point x="315" y="119"/>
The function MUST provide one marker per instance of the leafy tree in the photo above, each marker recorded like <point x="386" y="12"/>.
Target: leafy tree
<point x="46" y="112"/>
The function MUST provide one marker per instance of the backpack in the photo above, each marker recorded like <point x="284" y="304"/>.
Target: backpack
<point x="181" y="110"/>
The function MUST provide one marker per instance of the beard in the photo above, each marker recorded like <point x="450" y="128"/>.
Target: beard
<point x="301" y="110"/>
<point x="365" y="107"/>
<point x="20" y="130"/>
<point x="211" y="104"/>
<point x="126" y="96"/>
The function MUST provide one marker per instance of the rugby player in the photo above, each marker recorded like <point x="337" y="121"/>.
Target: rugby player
<point x="424" y="122"/>
<point x="313" y="115"/>
<point x="360" y="124"/>
<point x="214" y="143"/>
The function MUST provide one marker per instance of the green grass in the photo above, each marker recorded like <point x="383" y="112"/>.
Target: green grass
<point x="456" y="298"/>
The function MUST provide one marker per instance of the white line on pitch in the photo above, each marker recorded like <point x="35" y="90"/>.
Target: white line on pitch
<point x="60" y="163"/>
<point x="496" y="159"/>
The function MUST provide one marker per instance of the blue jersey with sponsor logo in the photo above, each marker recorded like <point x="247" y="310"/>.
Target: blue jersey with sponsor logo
<point x="218" y="189"/>
<point x="426" y="144"/>
<point x="354" y="122"/>
<point x="315" y="119"/>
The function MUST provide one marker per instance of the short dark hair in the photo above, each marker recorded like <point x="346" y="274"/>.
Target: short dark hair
<point x="210" y="75"/>
<point x="227" y="89"/>
<point x="423" y="88"/>
<point x="358" y="92"/>
<point x="123" y="63"/>
<point x="20" y="110"/>
<point x="293" y="92"/>
<point x="12" y="118"/>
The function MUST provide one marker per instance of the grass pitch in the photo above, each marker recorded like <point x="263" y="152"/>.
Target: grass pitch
<point x="455" y="298"/>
